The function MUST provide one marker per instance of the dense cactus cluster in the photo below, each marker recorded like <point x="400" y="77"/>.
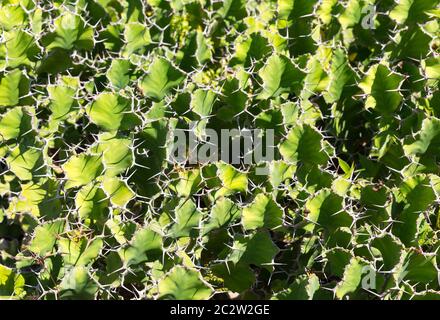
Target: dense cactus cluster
<point x="91" y="207"/>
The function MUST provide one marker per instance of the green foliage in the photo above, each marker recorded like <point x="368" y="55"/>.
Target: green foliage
<point x="91" y="91"/>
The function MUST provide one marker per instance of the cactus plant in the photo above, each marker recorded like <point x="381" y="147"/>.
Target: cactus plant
<point x="92" y="93"/>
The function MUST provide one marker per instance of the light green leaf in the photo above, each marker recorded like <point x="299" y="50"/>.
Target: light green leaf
<point x="161" y="78"/>
<point x="10" y="88"/>
<point x="340" y="75"/>
<point x="146" y="245"/>
<point x="432" y="68"/>
<point x="78" y="284"/>
<point x="326" y="210"/>
<point x="279" y="76"/>
<point x="45" y="237"/>
<point x="136" y="37"/>
<point x="222" y="213"/>
<point x="203" y="51"/>
<point x="257" y="249"/>
<point x="280" y="171"/>
<point x="81" y="170"/>
<point x="40" y="198"/>
<point x="119" y="73"/>
<point x="237" y="278"/>
<point x="390" y="249"/>
<point x="412" y="11"/>
<point x="14" y="123"/>
<point x="417" y="195"/>
<point x="62" y="101"/>
<point x="20" y="48"/>
<point x="189" y="182"/>
<point x="303" y="144"/>
<point x="25" y="162"/>
<point x="351" y="279"/>
<point x="79" y="252"/>
<point x="382" y="88"/>
<point x="112" y="112"/>
<point x="12" y="15"/>
<point x="202" y="102"/>
<point x="351" y="15"/>
<point x="11" y="284"/>
<point x="232" y="179"/>
<point x="419" y="268"/>
<point x="303" y="288"/>
<point x="118" y="191"/>
<point x="187" y="219"/>
<point x="184" y="284"/>
<point x="117" y="155"/>
<point x="70" y="32"/>
<point x="91" y="201"/>
<point x="427" y="139"/>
